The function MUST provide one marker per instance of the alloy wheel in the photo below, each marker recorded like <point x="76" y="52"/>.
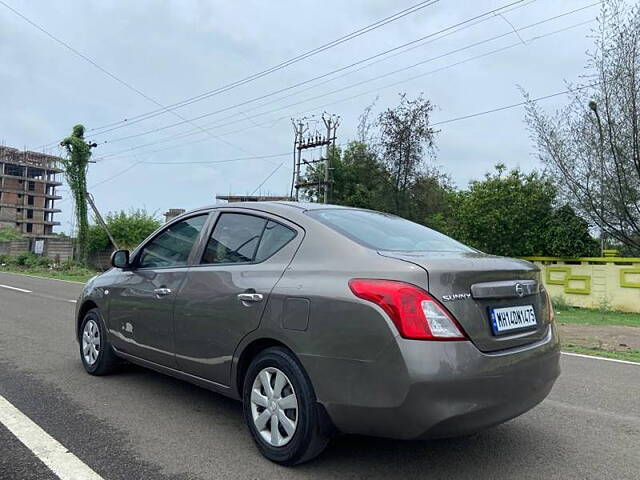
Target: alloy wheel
<point x="91" y="342"/>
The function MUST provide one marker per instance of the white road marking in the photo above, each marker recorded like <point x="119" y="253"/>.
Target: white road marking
<point x="16" y="288"/>
<point x="51" y="452"/>
<point x="627" y="362"/>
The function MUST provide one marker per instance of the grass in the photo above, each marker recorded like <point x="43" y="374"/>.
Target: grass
<point x="630" y="355"/>
<point x="587" y="316"/>
<point x="599" y="317"/>
<point x="75" y="274"/>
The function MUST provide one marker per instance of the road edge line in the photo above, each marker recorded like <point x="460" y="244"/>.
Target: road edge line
<point x="627" y="362"/>
<point x="43" y="278"/>
<point x="9" y="287"/>
<point x="47" y="449"/>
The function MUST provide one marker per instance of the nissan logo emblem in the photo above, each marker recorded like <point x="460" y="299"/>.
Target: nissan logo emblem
<point x="519" y="290"/>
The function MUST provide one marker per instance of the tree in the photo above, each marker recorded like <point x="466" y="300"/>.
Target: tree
<point x="431" y="198"/>
<point x="405" y="138"/>
<point x="75" y="166"/>
<point x="128" y="230"/>
<point x="360" y="179"/>
<point x="592" y="145"/>
<point x="513" y="214"/>
<point x="567" y="235"/>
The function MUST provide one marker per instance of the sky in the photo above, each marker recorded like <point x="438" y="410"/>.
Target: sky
<point x="149" y="53"/>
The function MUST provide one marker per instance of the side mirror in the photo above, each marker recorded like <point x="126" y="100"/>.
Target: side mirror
<point x="120" y="259"/>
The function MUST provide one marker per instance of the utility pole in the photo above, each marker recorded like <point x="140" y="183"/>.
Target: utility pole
<point x="100" y="220"/>
<point x="305" y="139"/>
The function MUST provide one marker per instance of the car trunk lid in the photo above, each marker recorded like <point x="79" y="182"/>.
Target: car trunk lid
<point x="472" y="285"/>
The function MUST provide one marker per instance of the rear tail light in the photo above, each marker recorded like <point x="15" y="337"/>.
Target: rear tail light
<point x="550" y="311"/>
<point x="415" y="313"/>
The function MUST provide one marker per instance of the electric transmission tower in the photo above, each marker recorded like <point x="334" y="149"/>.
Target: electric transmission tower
<point x="307" y="137"/>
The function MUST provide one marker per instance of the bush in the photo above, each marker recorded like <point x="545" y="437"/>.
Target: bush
<point x="70" y="265"/>
<point x="560" y="303"/>
<point x="515" y="214"/>
<point x="30" y="260"/>
<point x="8" y="233"/>
<point x="128" y="230"/>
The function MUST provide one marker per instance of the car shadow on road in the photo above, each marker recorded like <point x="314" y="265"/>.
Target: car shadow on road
<point x="521" y="448"/>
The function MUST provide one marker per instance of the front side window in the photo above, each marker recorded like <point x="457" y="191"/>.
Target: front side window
<point x="385" y="232"/>
<point x="173" y="246"/>
<point x="234" y="239"/>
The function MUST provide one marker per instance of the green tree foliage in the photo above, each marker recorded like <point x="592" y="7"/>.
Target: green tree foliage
<point x="405" y="138"/>
<point x="9" y="233"/>
<point x="75" y="165"/>
<point x="431" y="198"/>
<point x="567" y="235"/>
<point x="128" y="230"/>
<point x="360" y="179"/>
<point x="513" y="214"/>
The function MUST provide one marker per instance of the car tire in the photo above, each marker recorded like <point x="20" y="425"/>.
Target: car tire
<point x="95" y="350"/>
<point x="308" y="439"/>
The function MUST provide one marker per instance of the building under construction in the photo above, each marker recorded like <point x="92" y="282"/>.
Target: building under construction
<point x="28" y="182"/>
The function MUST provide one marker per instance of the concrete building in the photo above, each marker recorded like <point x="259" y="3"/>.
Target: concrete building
<point x="173" y="213"/>
<point x="28" y="182"/>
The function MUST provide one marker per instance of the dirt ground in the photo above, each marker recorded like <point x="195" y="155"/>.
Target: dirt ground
<point x="615" y="338"/>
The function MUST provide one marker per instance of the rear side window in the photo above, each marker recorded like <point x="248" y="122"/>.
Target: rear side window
<point x="275" y="237"/>
<point x="234" y="239"/>
<point x="172" y="247"/>
<point x="385" y="232"/>
<point x="241" y="238"/>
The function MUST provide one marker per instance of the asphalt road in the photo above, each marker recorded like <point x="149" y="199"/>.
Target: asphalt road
<point x="140" y="424"/>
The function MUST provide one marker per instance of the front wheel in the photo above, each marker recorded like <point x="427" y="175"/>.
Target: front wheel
<point x="95" y="350"/>
<point x="280" y="408"/>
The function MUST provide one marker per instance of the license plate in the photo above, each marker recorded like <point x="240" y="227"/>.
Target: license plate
<point x="508" y="319"/>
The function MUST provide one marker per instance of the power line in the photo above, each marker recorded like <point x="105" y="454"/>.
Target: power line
<point x="531" y="40"/>
<point x="268" y="177"/>
<point x="148" y="162"/>
<point x="111" y="75"/>
<point x="295" y="59"/>
<point x="513" y="105"/>
<point x="442" y="122"/>
<point x="329" y="80"/>
<point x="357" y="33"/>
<point x="290" y="87"/>
<point x="325" y="105"/>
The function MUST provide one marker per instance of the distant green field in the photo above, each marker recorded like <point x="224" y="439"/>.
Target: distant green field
<point x="597" y="317"/>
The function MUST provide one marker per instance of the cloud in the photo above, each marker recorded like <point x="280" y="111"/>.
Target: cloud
<point x="175" y="50"/>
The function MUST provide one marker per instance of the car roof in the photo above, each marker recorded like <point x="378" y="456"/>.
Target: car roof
<point x="282" y="208"/>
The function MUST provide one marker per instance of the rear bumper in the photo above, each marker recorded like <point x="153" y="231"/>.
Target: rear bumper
<point x="418" y="389"/>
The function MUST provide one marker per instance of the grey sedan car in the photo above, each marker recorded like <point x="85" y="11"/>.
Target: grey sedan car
<point x="324" y="319"/>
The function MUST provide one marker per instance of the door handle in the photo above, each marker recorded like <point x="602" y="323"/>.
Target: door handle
<point x="250" y="297"/>
<point x="161" y="292"/>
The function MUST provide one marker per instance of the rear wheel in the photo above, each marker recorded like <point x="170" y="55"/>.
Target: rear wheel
<point x="95" y="350"/>
<point x="280" y="408"/>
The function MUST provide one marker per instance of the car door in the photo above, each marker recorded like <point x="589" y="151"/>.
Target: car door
<point x="141" y="301"/>
<point x="222" y="298"/>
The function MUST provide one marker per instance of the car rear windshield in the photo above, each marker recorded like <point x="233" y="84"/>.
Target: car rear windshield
<point x="382" y="231"/>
